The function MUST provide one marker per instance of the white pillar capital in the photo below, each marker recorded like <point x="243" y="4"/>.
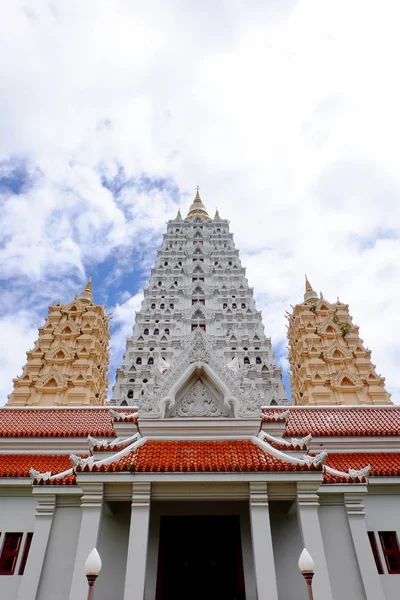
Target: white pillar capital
<point x="353" y="502"/>
<point x="258" y="493"/>
<point x="307" y="495"/>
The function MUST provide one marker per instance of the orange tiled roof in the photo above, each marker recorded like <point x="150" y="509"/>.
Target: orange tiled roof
<point x="200" y="456"/>
<point x="18" y="465"/>
<point x="75" y="422"/>
<point x="382" y="463"/>
<point x="344" y="422"/>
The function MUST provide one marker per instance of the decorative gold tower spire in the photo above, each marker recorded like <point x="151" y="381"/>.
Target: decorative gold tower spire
<point x="328" y="361"/>
<point x="197" y="208"/>
<point x="86" y="295"/>
<point x="68" y="364"/>
<point x="310" y="293"/>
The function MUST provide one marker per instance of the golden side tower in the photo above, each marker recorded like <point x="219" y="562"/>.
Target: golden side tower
<point x="328" y="362"/>
<point x="68" y="365"/>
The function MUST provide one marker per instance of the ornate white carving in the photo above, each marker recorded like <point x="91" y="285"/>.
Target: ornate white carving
<point x="302" y="441"/>
<point x="315" y="461"/>
<point x="352" y="473"/>
<point x="122" y="416"/>
<point x="37" y="476"/>
<point x="106" y="445"/>
<point x="275" y="416"/>
<point x="199" y="402"/>
<point x="360" y="473"/>
<point x="78" y="461"/>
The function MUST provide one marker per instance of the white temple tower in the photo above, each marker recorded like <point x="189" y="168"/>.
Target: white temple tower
<point x="198" y="347"/>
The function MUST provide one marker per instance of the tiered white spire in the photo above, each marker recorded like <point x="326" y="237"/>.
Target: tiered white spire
<point x="198" y="284"/>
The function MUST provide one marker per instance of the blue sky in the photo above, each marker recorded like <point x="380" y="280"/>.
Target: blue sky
<point x="285" y="113"/>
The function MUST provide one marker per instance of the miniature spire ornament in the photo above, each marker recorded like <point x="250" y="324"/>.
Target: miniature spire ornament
<point x="86" y="295"/>
<point x="197" y="208"/>
<point x="328" y="362"/>
<point x="310" y="294"/>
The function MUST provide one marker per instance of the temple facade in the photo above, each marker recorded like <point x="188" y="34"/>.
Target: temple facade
<point x="328" y="361"/>
<point x="199" y="479"/>
<point x="69" y="363"/>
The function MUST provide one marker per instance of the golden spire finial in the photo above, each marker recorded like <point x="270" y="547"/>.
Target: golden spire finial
<point x="86" y="295"/>
<point x="308" y="285"/>
<point x="310" y="294"/>
<point x="197" y="207"/>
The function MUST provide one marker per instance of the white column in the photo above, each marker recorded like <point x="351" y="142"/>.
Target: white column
<point x="41" y="533"/>
<point x="366" y="563"/>
<point x="91" y="506"/>
<point x="262" y="542"/>
<point x="138" y="541"/>
<point x="307" y="505"/>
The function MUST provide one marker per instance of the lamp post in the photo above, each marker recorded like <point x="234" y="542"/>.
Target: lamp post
<point x="306" y="566"/>
<point x="92" y="569"/>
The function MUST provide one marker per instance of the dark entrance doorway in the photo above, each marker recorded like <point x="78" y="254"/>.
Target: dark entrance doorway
<point x="200" y="558"/>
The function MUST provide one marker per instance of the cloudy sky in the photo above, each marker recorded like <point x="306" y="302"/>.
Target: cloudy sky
<point x="285" y="112"/>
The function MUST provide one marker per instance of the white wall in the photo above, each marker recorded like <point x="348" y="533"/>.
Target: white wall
<point x="344" y="574"/>
<point x="286" y="540"/>
<point x="55" y="582"/>
<point x="17" y="514"/>
<point x="113" y="549"/>
<point x="383" y="514"/>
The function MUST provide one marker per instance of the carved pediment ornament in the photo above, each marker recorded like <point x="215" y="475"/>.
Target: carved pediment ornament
<point x="199" y="402"/>
<point x="53" y="374"/>
<point x="67" y="324"/>
<point x="69" y="354"/>
<point x="339" y="376"/>
<point x="199" y="349"/>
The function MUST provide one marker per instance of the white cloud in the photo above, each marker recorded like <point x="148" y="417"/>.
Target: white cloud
<point x="286" y="114"/>
<point x="17" y="336"/>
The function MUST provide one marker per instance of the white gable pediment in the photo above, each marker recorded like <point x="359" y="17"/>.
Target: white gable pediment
<point x="198" y="360"/>
<point x="199" y="401"/>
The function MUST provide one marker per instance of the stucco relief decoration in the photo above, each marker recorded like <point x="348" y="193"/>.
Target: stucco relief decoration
<point x="39" y="477"/>
<point x="317" y="460"/>
<point x="82" y="463"/>
<point x="360" y="474"/>
<point x="337" y="379"/>
<point x="52" y="374"/>
<point x="199" y="349"/>
<point x="300" y="443"/>
<point x="123" y="416"/>
<point x="199" y="402"/>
